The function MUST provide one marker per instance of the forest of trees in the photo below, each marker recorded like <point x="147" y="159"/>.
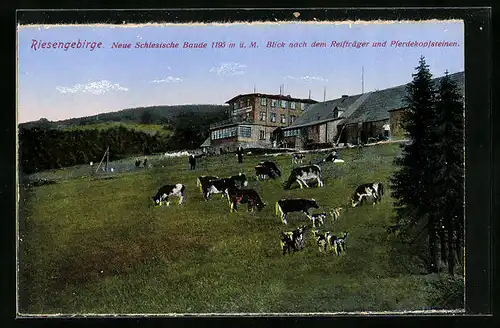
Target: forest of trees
<point x="429" y="185"/>
<point x="46" y="145"/>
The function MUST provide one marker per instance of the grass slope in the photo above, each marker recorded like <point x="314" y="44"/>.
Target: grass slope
<point x="99" y="246"/>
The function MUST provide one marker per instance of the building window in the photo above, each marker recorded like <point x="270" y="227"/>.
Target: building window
<point x="248" y="102"/>
<point x="292" y="119"/>
<point x="247" y="116"/>
<point x="292" y="105"/>
<point x="262" y="135"/>
<point x="335" y="112"/>
<point x="299" y="106"/>
<point x="283" y="104"/>
<point x="273" y="117"/>
<point x="274" y="103"/>
<point x="283" y="118"/>
<point x="263" y="101"/>
<point x="245" y="131"/>
<point x="262" y="116"/>
<point x="290" y="133"/>
<point x="235" y="105"/>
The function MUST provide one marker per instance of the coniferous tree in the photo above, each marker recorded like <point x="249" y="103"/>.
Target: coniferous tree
<point x="448" y="179"/>
<point x="411" y="185"/>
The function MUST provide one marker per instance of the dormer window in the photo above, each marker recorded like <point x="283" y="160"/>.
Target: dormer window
<point x="335" y="112"/>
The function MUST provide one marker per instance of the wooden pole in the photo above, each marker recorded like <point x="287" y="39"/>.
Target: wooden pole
<point x="107" y="160"/>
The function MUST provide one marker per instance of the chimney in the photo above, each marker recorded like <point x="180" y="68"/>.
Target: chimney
<point x="345" y="96"/>
<point x="309" y="94"/>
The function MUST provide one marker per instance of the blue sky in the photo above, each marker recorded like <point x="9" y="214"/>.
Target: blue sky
<point x="58" y="84"/>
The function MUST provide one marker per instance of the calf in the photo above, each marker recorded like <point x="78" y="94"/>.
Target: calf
<point x="167" y="191"/>
<point x="292" y="240"/>
<point x="222" y="185"/>
<point x="318" y="219"/>
<point x="302" y="173"/>
<point x="335" y="214"/>
<point x="286" y="206"/>
<point x="374" y="190"/>
<point x="267" y="169"/>
<point x="245" y="196"/>
<point x="297" y="158"/>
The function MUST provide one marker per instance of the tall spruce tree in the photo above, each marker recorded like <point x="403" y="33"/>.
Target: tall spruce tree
<point x="411" y="185"/>
<point x="448" y="179"/>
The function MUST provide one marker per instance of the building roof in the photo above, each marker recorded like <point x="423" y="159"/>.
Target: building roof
<point x="324" y="111"/>
<point x="270" y="96"/>
<point x="368" y="107"/>
<point x="206" y="143"/>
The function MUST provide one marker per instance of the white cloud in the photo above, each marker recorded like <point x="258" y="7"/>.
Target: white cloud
<point x="97" y="88"/>
<point x="308" y="78"/>
<point x="169" y="79"/>
<point x="230" y="68"/>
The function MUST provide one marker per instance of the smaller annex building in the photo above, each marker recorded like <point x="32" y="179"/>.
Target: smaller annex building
<point x="354" y="119"/>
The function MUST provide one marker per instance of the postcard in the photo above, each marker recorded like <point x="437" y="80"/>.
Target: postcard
<point x="243" y="168"/>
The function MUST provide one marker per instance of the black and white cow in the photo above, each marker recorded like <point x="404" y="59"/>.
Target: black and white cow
<point x="286" y="206"/>
<point x="292" y="240"/>
<point x="374" y="190"/>
<point x="318" y="219"/>
<point x="245" y="196"/>
<point x="167" y="191"/>
<point x="331" y="157"/>
<point x="267" y="169"/>
<point x="304" y="173"/>
<point x="297" y="158"/>
<point x="204" y="180"/>
<point x="221" y="186"/>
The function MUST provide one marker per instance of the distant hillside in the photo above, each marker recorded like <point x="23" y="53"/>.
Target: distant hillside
<point x="145" y="115"/>
<point x="163" y="129"/>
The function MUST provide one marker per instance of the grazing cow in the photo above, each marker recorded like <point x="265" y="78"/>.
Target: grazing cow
<point x="267" y="169"/>
<point x="327" y="240"/>
<point x="167" y="191"/>
<point x="286" y="206"/>
<point x="331" y="157"/>
<point x="303" y="173"/>
<point x="220" y="186"/>
<point x="245" y="196"/>
<point x="297" y="158"/>
<point x="318" y="219"/>
<point x="204" y="179"/>
<point x="374" y="190"/>
<point x="292" y="240"/>
<point x="192" y="162"/>
<point x="335" y="214"/>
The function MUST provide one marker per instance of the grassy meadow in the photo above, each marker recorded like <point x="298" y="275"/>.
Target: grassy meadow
<point x="99" y="246"/>
<point x="148" y="128"/>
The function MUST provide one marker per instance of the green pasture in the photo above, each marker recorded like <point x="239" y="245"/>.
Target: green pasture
<point x="99" y="246"/>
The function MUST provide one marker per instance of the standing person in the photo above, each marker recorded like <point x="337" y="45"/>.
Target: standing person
<point x="145" y="163"/>
<point x="192" y="162"/>
<point x="240" y="154"/>
<point x="387" y="130"/>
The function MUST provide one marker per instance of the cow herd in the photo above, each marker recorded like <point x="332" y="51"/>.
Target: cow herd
<point x="233" y="189"/>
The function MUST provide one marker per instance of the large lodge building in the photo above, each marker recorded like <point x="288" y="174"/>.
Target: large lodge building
<point x="265" y="121"/>
<point x="253" y="119"/>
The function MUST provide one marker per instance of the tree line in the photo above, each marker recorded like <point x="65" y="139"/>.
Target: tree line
<point x="429" y="183"/>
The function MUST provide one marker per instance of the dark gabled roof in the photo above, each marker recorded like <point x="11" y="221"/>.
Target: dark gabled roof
<point x="279" y="97"/>
<point x="206" y="143"/>
<point x="379" y="103"/>
<point x="324" y="111"/>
